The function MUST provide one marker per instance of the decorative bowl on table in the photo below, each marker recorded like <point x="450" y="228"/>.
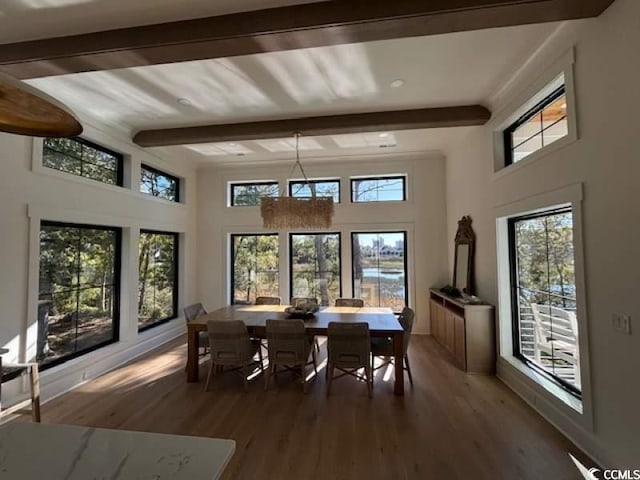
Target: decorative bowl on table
<point x="302" y="310"/>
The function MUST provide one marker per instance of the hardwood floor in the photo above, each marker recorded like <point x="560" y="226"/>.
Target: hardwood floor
<point x="449" y="426"/>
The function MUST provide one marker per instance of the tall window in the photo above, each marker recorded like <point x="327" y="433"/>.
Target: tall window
<point x="254" y="267"/>
<point x="157" y="278"/>
<point x="249" y="194"/>
<point x="83" y="158"/>
<point x="380" y="269"/>
<point x="79" y="290"/>
<point x="542" y="125"/>
<point x="321" y="188"/>
<point x="315" y="266"/>
<point x="159" y="184"/>
<point x="544" y="295"/>
<point x="379" y="189"/>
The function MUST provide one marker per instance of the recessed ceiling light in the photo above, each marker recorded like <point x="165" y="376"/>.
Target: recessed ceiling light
<point x="185" y="102"/>
<point x="564" y="105"/>
<point x="383" y="135"/>
<point x="397" y="83"/>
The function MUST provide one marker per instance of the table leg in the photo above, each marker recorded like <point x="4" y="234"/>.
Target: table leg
<point x="192" y="354"/>
<point x="398" y="354"/>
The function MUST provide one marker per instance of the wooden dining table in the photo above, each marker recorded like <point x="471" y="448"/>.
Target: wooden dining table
<point x="382" y="323"/>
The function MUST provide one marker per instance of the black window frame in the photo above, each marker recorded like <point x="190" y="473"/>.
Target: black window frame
<point x="119" y="157"/>
<point x="291" y="183"/>
<point x="515" y="304"/>
<point x="117" y="277"/>
<point x="176" y="278"/>
<point x="158" y="172"/>
<point x="383" y="177"/>
<point x="532" y="112"/>
<point x="291" y="235"/>
<point x="232" y="194"/>
<point x="405" y="259"/>
<point x="232" y="300"/>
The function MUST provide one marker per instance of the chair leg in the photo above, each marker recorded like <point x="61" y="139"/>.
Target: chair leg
<point x="261" y="360"/>
<point x="211" y="370"/>
<point x="270" y="371"/>
<point x="368" y="375"/>
<point x="406" y="362"/>
<point x="329" y="378"/>
<point x="304" y="378"/>
<point x="245" y="373"/>
<point x="314" y="358"/>
<point x="35" y="392"/>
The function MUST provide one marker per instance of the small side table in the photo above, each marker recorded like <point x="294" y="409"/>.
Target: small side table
<point x="13" y="370"/>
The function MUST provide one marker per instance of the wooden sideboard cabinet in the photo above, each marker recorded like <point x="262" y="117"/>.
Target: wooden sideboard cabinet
<point x="467" y="331"/>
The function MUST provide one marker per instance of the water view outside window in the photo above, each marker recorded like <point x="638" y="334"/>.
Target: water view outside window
<point x="380" y="269"/>
<point x="157" y="278"/>
<point x="544" y="294"/>
<point x="315" y="266"/>
<point x="382" y="189"/>
<point x="321" y="188"/>
<point x="249" y="194"/>
<point x="83" y="158"/>
<point x="79" y="290"/>
<point x="159" y="184"/>
<point x="255" y="267"/>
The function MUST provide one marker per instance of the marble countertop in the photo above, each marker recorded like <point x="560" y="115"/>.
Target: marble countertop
<point x="32" y="451"/>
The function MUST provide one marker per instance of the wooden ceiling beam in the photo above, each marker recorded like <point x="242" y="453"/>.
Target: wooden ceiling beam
<point x="317" y="24"/>
<point x="462" y="116"/>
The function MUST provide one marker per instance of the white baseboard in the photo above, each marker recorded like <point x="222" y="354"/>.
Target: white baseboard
<point x="536" y="397"/>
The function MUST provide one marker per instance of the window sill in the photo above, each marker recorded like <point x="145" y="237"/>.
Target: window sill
<point x="550" y="387"/>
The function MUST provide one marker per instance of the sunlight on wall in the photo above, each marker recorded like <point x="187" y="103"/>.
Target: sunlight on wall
<point x="13" y="346"/>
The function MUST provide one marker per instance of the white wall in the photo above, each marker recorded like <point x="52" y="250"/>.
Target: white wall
<point x="30" y="193"/>
<point x="605" y="160"/>
<point x="423" y="216"/>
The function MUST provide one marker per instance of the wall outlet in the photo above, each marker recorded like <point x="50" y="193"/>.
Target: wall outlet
<point x="621" y="323"/>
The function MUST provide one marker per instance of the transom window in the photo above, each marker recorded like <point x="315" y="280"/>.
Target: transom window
<point x="542" y="125"/>
<point x="321" y="188"/>
<point x="315" y="266"/>
<point x="379" y="189"/>
<point x="159" y="184"/>
<point x="157" y="278"/>
<point x="83" y="158"/>
<point x="544" y="305"/>
<point x="380" y="269"/>
<point x="254" y="267"/>
<point x="248" y="194"/>
<point x="79" y="291"/>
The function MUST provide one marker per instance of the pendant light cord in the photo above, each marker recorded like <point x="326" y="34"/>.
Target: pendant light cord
<point x="297" y="135"/>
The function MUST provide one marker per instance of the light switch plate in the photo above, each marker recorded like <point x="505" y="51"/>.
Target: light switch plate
<point x="621" y="323"/>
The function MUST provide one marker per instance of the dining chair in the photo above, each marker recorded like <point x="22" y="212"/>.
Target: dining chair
<point x="192" y="312"/>
<point x="383" y="347"/>
<point x="349" y="350"/>
<point x="13" y="370"/>
<point x="290" y="347"/>
<point x="267" y="300"/>
<point x="230" y="345"/>
<point x="297" y="300"/>
<point x="349" y="302"/>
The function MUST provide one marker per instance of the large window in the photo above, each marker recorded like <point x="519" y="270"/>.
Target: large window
<point x="380" y="269"/>
<point x="249" y="194"/>
<point x="157" y="278"/>
<point x="315" y="266"/>
<point x="254" y="267"/>
<point x="83" y="158"/>
<point x="79" y="290"/>
<point x="544" y="295"/>
<point x="379" y="189"/>
<point x="321" y="188"/>
<point x="159" y="184"/>
<point x="542" y="125"/>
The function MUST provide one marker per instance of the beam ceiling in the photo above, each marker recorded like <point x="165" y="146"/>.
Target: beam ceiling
<point x="316" y="126"/>
<point x="285" y="28"/>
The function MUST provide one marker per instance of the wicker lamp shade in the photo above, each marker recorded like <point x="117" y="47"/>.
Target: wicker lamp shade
<point x="291" y="212"/>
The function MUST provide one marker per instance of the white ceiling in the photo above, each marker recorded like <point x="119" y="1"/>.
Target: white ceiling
<point x="444" y="70"/>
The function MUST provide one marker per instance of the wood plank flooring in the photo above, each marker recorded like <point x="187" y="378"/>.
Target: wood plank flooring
<point x="449" y="426"/>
